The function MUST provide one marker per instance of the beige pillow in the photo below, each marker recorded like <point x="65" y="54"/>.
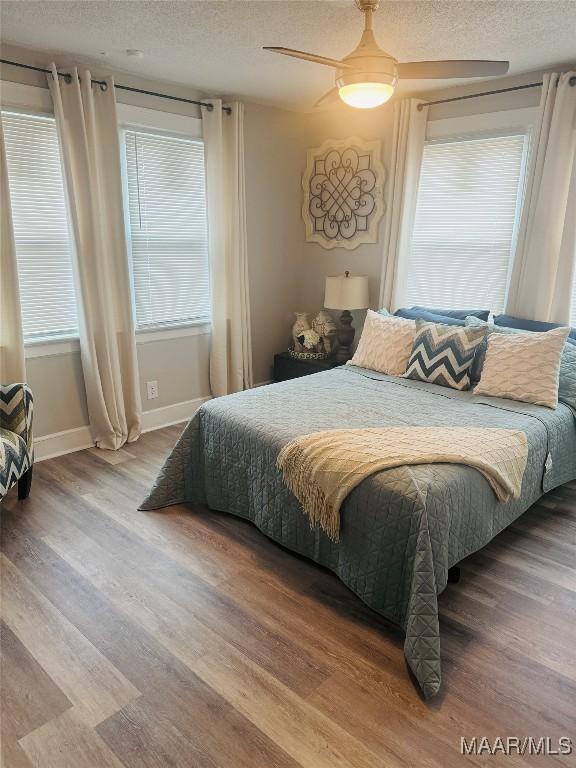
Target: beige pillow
<point x="385" y="344"/>
<point x="523" y="366"/>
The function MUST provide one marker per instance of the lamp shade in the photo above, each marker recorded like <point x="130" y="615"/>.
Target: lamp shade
<point x="346" y="291"/>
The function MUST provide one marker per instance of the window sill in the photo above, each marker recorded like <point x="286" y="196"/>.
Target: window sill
<point x="51" y="347"/>
<point x="174" y="332"/>
<point x="71" y="344"/>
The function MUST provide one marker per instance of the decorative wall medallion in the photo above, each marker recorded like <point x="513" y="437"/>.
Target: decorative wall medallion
<point x="343" y="198"/>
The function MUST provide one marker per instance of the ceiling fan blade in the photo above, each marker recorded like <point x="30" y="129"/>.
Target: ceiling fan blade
<point x="329" y="98"/>
<point x="429" y="70"/>
<point x="308" y="57"/>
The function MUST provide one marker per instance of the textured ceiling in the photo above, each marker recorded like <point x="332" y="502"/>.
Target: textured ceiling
<point x="215" y="47"/>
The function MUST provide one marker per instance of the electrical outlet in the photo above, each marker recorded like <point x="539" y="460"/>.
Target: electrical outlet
<point x="152" y="389"/>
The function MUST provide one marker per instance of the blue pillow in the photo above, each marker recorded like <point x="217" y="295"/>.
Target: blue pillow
<point x="460" y="314"/>
<point x="509" y="321"/>
<point x="431" y="317"/>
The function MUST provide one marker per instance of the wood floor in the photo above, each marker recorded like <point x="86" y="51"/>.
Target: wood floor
<point x="186" y="638"/>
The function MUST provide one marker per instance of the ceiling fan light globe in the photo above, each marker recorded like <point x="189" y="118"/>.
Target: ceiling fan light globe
<point x="365" y="95"/>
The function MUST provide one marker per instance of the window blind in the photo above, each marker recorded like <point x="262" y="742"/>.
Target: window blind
<point x="468" y="205"/>
<point x="41" y="234"/>
<point x="168" y="229"/>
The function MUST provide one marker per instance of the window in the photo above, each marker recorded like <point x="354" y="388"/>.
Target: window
<point x="468" y="206"/>
<point x="167" y="229"/>
<point x="41" y="234"/>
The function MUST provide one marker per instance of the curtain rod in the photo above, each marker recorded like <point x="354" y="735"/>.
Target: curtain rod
<point x="572" y="82"/>
<point x="103" y="84"/>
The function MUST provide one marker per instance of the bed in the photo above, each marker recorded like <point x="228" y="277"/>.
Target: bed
<point x="401" y="529"/>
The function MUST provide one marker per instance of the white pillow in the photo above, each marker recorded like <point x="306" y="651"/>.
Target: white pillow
<point x="524" y="366"/>
<point x="385" y="344"/>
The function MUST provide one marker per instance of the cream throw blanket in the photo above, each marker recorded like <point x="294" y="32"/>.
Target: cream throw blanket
<point x="321" y="469"/>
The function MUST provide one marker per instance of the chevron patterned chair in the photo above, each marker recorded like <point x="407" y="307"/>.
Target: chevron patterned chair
<point x="16" y="451"/>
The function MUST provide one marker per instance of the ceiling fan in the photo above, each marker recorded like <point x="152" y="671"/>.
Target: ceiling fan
<point x="367" y="76"/>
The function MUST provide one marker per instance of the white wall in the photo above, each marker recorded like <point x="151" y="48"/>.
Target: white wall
<point x="317" y="262"/>
<point x="59" y="395"/>
<point x="180" y="366"/>
<point x="483" y="104"/>
<point x="274" y="150"/>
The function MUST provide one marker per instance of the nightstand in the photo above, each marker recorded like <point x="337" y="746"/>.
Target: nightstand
<point x="288" y="367"/>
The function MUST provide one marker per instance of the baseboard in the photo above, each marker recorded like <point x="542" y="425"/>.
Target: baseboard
<point x="262" y="384"/>
<point x="71" y="440"/>
<point x="60" y="443"/>
<point x="171" y="414"/>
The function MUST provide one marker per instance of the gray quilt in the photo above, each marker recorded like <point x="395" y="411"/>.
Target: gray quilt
<point x="401" y="529"/>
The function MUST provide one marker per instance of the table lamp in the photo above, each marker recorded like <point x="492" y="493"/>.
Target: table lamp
<point x="346" y="292"/>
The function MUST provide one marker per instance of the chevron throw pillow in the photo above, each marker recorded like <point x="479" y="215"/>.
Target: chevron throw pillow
<point x="443" y="354"/>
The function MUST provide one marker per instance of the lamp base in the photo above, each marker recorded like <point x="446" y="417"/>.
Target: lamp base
<point x="345" y="336"/>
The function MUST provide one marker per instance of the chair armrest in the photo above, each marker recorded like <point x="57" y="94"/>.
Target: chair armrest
<point x="16" y="409"/>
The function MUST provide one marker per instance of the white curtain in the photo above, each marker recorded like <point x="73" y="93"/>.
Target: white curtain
<point x="545" y="260"/>
<point x="12" y="367"/>
<point x="231" y="347"/>
<point x="402" y="189"/>
<point x="88" y="129"/>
